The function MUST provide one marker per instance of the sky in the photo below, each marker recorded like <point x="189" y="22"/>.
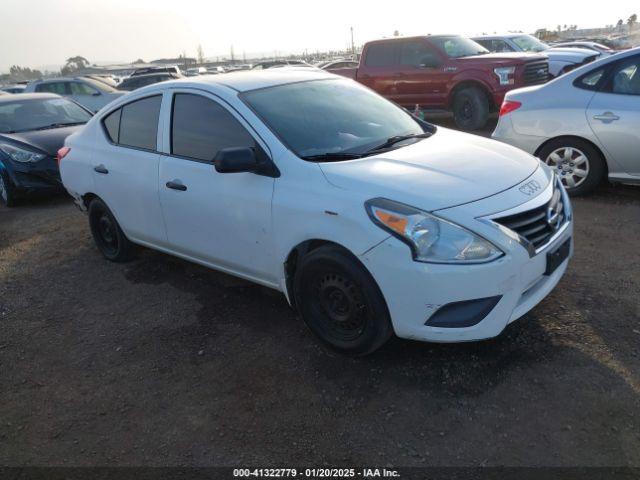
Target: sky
<point x="43" y="33"/>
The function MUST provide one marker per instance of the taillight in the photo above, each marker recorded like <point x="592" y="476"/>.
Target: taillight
<point x="509" y="106"/>
<point x="62" y="153"/>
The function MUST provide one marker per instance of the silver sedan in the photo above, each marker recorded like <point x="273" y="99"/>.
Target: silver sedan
<point x="585" y="124"/>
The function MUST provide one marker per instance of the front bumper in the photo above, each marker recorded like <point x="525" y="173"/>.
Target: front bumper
<point x="415" y="291"/>
<point x="42" y="176"/>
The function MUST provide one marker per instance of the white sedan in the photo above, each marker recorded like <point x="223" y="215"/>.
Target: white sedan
<point x="369" y="220"/>
<point x="584" y="125"/>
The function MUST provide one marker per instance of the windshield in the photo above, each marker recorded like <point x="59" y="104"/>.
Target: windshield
<point x="456" y="47"/>
<point x="324" y="117"/>
<point x="34" y="114"/>
<point x="530" y="44"/>
<point x="100" y="85"/>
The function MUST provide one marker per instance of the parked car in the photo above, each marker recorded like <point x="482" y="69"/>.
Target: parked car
<point x="89" y="93"/>
<point x="446" y="72"/>
<point x="13" y="88"/>
<point x="338" y="64"/>
<point x="595" y="46"/>
<point x="139" y="81"/>
<point x="561" y="60"/>
<point x="157" y="69"/>
<point x="370" y="221"/>
<point x="108" y="79"/>
<point x="33" y="127"/>
<point x="192" y="72"/>
<point x="585" y="125"/>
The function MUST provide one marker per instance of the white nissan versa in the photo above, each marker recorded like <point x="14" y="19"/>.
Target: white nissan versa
<point x="370" y="221"/>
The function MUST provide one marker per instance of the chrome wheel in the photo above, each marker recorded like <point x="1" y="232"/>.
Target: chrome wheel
<point x="570" y="164"/>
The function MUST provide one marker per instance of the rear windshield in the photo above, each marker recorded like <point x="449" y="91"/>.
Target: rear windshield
<point x="529" y="44"/>
<point x="37" y="114"/>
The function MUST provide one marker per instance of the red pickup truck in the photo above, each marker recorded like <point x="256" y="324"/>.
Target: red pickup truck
<point x="447" y="72"/>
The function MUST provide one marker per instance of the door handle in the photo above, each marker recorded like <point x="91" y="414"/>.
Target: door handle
<point x="101" y="169"/>
<point x="606" y="117"/>
<point x="176" y="185"/>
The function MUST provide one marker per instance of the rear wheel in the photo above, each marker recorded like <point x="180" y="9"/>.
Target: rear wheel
<point x="578" y="164"/>
<point x="470" y="109"/>
<point x="340" y="301"/>
<point x="109" y="237"/>
<point x="7" y="195"/>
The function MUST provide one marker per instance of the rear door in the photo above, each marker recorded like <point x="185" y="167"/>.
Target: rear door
<point x="378" y="68"/>
<point x="614" y="114"/>
<point x="222" y="219"/>
<point x="126" y="168"/>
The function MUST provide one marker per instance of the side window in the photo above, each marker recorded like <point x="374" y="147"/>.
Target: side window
<point x="78" y="88"/>
<point x="417" y="54"/>
<point x="112" y="125"/>
<point x="52" y="87"/>
<point x="625" y="78"/>
<point x="135" y="124"/>
<point x="381" y="54"/>
<point x="201" y="127"/>
<point x="590" y="80"/>
<point x="499" y="46"/>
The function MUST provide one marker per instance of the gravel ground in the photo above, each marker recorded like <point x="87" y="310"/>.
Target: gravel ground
<point x="161" y="362"/>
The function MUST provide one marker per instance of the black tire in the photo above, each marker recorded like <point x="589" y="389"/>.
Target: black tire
<point x="586" y="175"/>
<point x="7" y="191"/>
<point x="340" y="301"/>
<point x="109" y="237"/>
<point x="470" y="108"/>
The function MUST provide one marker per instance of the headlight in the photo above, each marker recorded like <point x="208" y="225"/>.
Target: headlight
<point x="21" y="155"/>
<point x="432" y="239"/>
<point x="505" y="75"/>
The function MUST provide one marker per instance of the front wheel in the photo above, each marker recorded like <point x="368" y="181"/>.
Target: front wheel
<point x="340" y="301"/>
<point x="470" y="109"/>
<point x="578" y="164"/>
<point x="7" y="195"/>
<point x="109" y="237"/>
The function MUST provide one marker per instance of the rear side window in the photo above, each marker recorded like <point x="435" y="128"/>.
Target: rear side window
<point x="625" y="78"/>
<point x="201" y="127"/>
<point x="112" y="125"/>
<point x="135" y="124"/>
<point x="59" y="88"/>
<point x="381" y="55"/>
<point x="591" y="80"/>
<point x="78" y="88"/>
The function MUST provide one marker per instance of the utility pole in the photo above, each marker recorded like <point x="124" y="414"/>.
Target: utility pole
<point x="353" y="46"/>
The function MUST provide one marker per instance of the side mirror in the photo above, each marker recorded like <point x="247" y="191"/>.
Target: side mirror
<point x="234" y="160"/>
<point x="96" y="94"/>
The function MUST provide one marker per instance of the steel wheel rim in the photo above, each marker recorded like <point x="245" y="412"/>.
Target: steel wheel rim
<point x="340" y="306"/>
<point x="570" y="164"/>
<point x="106" y="230"/>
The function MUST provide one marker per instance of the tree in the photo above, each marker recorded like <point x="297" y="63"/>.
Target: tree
<point x="396" y="33"/>
<point x="18" y="73"/>
<point x="139" y="61"/>
<point x="74" y="64"/>
<point x="632" y="20"/>
<point x="200" y="55"/>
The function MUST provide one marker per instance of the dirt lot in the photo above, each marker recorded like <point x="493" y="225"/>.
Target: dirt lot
<point x="160" y="362"/>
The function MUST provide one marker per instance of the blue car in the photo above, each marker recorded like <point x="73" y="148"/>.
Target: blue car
<point x="33" y="127"/>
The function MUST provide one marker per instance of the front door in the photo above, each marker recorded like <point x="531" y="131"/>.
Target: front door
<point x="614" y="115"/>
<point x="420" y="78"/>
<point x="220" y="219"/>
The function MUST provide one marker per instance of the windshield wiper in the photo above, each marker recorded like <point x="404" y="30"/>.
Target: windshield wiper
<point x="333" y="156"/>
<point x="59" y="125"/>
<point x="398" y="138"/>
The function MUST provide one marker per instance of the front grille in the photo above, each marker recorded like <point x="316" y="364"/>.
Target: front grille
<point x="536" y="73"/>
<point x="538" y="225"/>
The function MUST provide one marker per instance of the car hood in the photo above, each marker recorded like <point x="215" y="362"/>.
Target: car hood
<point x="47" y="141"/>
<point x="569" y="54"/>
<point x="448" y="169"/>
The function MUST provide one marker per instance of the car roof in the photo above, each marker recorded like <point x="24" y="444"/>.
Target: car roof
<point x="29" y="96"/>
<point x="245" y="80"/>
<point x="507" y="35"/>
<point x="152" y="74"/>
